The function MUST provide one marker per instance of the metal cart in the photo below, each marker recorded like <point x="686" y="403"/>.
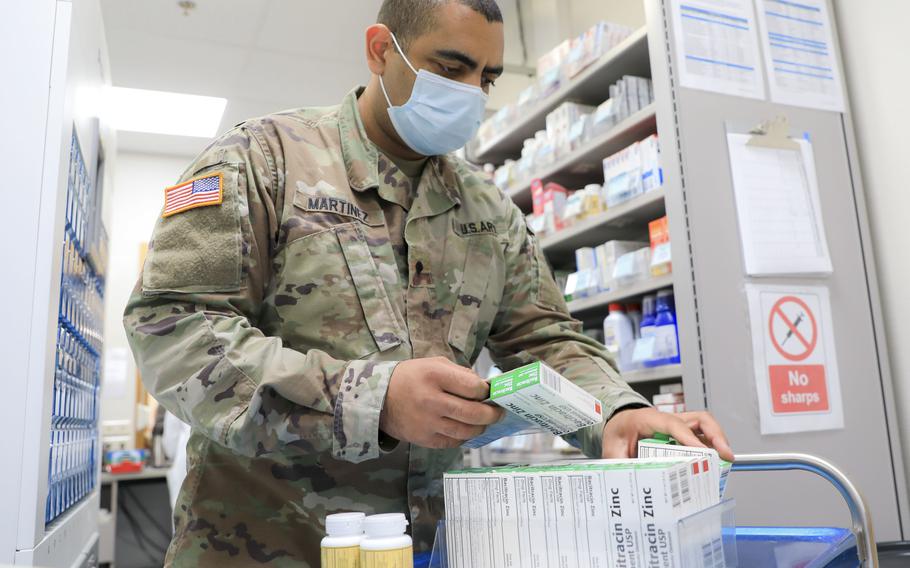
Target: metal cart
<point x="806" y="547"/>
<point x="822" y="547"/>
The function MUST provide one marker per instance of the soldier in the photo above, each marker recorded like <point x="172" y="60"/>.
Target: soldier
<point x="321" y="281"/>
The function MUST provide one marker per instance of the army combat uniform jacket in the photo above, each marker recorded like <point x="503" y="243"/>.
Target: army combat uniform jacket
<point x="272" y="321"/>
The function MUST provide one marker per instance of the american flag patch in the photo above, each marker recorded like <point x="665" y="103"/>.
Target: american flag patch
<point x="198" y="192"/>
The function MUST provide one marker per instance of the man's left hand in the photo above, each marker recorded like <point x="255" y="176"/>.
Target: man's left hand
<point x="699" y="429"/>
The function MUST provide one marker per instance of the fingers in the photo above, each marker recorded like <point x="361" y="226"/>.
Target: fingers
<point x="457" y="430"/>
<point x="469" y="412"/>
<point x="440" y="442"/>
<point x="615" y="447"/>
<point x="704" y="423"/>
<point x="677" y="427"/>
<point x="461" y="382"/>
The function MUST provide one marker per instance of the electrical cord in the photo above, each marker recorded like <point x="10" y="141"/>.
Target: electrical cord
<point x="165" y="532"/>
<point x="140" y="537"/>
<point x="148" y="517"/>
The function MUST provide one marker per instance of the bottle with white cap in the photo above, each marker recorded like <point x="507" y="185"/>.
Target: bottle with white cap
<point x="341" y="545"/>
<point x="385" y="544"/>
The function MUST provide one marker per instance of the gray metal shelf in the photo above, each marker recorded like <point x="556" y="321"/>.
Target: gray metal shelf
<point x="591" y="86"/>
<point x="585" y="165"/>
<point x="600" y="302"/>
<point x="653" y="375"/>
<point x="625" y="221"/>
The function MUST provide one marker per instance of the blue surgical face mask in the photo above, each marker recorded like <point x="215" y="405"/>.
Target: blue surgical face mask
<point x="441" y="116"/>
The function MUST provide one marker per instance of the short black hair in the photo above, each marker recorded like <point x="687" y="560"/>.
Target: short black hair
<point x="409" y="19"/>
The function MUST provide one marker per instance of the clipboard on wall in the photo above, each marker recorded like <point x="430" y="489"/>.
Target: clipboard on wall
<point x="777" y="202"/>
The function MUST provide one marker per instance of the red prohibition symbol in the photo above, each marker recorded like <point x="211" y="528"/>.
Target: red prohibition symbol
<point x="805" y="345"/>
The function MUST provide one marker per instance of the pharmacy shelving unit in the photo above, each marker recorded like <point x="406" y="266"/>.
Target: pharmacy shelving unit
<point x="709" y="279"/>
<point x="54" y="289"/>
<point x="627" y="221"/>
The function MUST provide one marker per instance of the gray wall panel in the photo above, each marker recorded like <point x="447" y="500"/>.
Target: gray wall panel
<point x="693" y="126"/>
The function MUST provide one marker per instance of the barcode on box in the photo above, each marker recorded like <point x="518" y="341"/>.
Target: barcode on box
<point x="674" y="489"/>
<point x="686" y="492"/>
<point x="551" y="379"/>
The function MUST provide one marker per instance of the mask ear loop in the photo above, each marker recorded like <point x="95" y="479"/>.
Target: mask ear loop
<point x="401" y="51"/>
<point x="403" y="56"/>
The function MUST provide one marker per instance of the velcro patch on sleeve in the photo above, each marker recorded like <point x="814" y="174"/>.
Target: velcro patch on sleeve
<point x="198" y="192"/>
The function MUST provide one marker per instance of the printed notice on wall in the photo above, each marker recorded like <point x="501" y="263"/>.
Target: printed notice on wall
<point x="717" y="46"/>
<point x="778" y="207"/>
<point x="800" y="53"/>
<point x="795" y="359"/>
<point x="116" y="368"/>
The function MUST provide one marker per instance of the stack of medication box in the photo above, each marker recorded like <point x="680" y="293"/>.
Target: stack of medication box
<point x="661" y="253"/>
<point x="632" y="172"/>
<point x="663" y="446"/>
<point x="597" y="268"/>
<point x="601" y="513"/>
<point x="571" y="125"/>
<point x="554" y="69"/>
<point x="670" y="399"/>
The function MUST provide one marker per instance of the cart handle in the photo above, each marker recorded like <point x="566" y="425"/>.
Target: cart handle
<point x="862" y="521"/>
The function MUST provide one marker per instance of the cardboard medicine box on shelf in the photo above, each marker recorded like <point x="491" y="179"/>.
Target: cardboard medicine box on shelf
<point x="607" y="255"/>
<point x="537" y="398"/>
<point x="661" y="257"/>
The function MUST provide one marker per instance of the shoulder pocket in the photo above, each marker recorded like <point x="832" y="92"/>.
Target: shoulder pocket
<point x="544" y="291"/>
<point x="200" y="250"/>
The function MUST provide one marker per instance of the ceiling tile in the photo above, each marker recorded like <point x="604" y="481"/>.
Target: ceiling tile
<point x="310" y="82"/>
<point x="332" y="31"/>
<point x="145" y="61"/>
<point x="227" y="22"/>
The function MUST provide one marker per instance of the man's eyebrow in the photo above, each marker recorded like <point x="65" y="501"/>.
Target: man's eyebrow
<point x="457" y="56"/>
<point x="467" y="61"/>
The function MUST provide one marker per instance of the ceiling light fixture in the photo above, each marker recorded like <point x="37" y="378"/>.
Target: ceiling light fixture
<point x="161" y="112"/>
<point x="187" y="6"/>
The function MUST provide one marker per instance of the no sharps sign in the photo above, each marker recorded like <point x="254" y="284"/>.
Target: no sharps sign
<point x="795" y="359"/>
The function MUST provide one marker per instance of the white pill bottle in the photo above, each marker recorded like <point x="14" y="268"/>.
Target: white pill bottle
<point x="341" y="545"/>
<point x="385" y="544"/>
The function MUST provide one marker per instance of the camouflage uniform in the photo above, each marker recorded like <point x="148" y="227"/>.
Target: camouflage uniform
<point x="272" y="324"/>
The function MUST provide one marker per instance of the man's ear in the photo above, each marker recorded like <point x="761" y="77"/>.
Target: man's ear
<point x="379" y="41"/>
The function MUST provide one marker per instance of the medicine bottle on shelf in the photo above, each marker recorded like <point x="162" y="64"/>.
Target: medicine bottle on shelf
<point x="666" y="331"/>
<point x="619" y="338"/>
<point x="385" y="544"/>
<point x="341" y="545"/>
<point x="647" y="333"/>
<point x="634" y="313"/>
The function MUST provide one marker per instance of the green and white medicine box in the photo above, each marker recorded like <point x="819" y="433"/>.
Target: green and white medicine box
<point x="537" y="399"/>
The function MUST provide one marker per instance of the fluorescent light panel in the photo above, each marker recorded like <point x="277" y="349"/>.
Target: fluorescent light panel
<point x="161" y="112"/>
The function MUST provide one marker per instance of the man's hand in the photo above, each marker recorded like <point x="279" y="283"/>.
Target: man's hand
<point x="623" y="431"/>
<point x="433" y="403"/>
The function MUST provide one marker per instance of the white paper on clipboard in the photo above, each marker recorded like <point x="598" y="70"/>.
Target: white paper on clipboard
<point x="778" y="208"/>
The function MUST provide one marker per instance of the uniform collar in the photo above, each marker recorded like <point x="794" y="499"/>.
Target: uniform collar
<point x="361" y="159"/>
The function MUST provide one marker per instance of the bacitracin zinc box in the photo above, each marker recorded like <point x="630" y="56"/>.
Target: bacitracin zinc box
<point x="598" y="513"/>
<point x="662" y="446"/>
<point x="538" y="398"/>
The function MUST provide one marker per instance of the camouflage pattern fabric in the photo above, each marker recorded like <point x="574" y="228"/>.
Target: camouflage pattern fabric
<point x="272" y="324"/>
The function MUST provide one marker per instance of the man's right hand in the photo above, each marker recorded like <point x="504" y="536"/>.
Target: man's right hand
<point x="433" y="403"/>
